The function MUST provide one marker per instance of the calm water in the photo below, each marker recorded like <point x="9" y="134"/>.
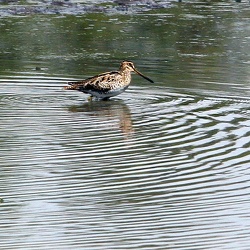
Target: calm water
<point x="162" y="166"/>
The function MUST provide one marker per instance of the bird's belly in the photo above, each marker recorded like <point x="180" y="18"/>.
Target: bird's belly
<point x="107" y="94"/>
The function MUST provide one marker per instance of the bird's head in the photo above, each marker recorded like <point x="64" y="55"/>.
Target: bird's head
<point x="129" y="66"/>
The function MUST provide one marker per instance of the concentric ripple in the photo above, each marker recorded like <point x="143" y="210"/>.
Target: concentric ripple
<point x="158" y="169"/>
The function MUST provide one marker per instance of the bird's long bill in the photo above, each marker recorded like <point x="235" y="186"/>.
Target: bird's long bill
<point x="140" y="74"/>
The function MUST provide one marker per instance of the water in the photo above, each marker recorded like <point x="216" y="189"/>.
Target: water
<point x="162" y="166"/>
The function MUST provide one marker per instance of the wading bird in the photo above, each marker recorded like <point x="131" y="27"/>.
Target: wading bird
<point x="108" y="84"/>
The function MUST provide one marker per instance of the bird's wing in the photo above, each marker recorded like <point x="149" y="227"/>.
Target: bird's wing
<point x="100" y="82"/>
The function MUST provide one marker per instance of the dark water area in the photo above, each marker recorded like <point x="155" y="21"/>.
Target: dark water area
<point x="161" y="166"/>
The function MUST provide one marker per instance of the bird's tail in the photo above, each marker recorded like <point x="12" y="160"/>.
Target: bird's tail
<point x="71" y="86"/>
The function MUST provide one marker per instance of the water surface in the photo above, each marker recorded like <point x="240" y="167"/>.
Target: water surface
<point x="162" y="166"/>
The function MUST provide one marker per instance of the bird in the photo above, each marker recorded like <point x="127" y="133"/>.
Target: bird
<point x="108" y="84"/>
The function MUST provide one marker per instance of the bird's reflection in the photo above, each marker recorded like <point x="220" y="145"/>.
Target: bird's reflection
<point x="115" y="110"/>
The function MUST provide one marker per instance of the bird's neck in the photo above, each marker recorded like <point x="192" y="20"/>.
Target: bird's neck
<point x="126" y="74"/>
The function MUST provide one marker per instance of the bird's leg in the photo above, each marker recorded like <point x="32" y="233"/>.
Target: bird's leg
<point x="105" y="98"/>
<point x="90" y="98"/>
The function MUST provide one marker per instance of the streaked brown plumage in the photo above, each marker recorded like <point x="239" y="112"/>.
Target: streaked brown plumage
<point x="107" y="84"/>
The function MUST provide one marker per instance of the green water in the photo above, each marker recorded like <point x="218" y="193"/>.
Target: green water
<point x="187" y="42"/>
